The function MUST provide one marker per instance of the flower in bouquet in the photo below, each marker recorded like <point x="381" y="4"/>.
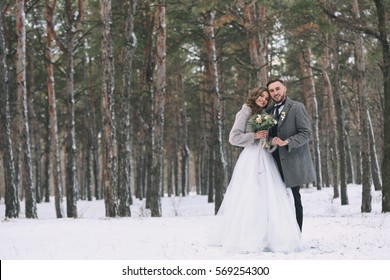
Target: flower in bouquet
<point x="262" y="121"/>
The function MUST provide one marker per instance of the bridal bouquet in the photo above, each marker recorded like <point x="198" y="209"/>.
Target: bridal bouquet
<point x="262" y="121"/>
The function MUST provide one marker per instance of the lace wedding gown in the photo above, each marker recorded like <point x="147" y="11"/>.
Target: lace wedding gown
<point x="257" y="213"/>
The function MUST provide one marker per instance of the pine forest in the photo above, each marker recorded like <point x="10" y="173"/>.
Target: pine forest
<point x="134" y="99"/>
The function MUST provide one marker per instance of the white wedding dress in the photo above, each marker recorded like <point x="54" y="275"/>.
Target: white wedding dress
<point x="257" y="213"/>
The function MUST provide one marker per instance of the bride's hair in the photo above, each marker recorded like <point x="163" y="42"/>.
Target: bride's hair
<point x="253" y="95"/>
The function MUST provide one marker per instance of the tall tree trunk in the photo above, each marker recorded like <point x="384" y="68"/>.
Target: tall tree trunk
<point x="350" y="168"/>
<point x="327" y="92"/>
<point x="209" y="170"/>
<point x="72" y="184"/>
<point x="93" y="135"/>
<point x="363" y="109"/>
<point x="220" y="171"/>
<point x="147" y="89"/>
<point x="333" y="140"/>
<point x="375" y="168"/>
<point x="110" y="158"/>
<point x="53" y="142"/>
<point x="28" y="182"/>
<point x="139" y="172"/>
<point x="356" y="132"/>
<point x="339" y="106"/>
<point x="263" y="43"/>
<point x="176" y="137"/>
<point x="125" y="145"/>
<point x="185" y="152"/>
<point x="11" y="188"/>
<point x="203" y="130"/>
<point x="36" y="145"/>
<point x="207" y="149"/>
<point x="176" y="172"/>
<point x="385" y="67"/>
<point x="47" y="164"/>
<point x="257" y="41"/>
<point x="197" y="173"/>
<point x="158" y="113"/>
<point x="312" y="96"/>
<point x="73" y="20"/>
<point x="359" y="171"/>
<point x="170" y="174"/>
<point x="87" y="152"/>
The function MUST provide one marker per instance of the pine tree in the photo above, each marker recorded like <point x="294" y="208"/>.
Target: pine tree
<point x="11" y="188"/>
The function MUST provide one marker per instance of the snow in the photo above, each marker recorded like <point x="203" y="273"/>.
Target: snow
<point x="330" y="232"/>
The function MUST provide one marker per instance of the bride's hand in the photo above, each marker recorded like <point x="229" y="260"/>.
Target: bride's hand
<point x="261" y="134"/>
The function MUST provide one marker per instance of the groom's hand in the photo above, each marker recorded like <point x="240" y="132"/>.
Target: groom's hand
<point x="283" y="143"/>
<point x="279" y="142"/>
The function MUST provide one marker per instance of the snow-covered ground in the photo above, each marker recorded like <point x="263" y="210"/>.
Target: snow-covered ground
<point x="340" y="243"/>
<point x="330" y="232"/>
<point x="343" y="242"/>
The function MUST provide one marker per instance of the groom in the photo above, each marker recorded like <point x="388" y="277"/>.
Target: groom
<point x="291" y="135"/>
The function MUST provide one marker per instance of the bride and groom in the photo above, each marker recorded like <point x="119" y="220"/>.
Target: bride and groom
<point x="262" y="209"/>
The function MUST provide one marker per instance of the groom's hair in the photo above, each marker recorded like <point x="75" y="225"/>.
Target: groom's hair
<point x="273" y="80"/>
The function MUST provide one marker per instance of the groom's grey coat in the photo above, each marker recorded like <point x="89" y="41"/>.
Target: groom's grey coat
<point x="296" y="161"/>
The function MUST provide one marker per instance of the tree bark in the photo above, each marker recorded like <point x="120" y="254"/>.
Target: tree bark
<point x="333" y="139"/>
<point x="385" y="67"/>
<point x="146" y="104"/>
<point x="185" y="154"/>
<point x="35" y="137"/>
<point x="341" y="137"/>
<point x="87" y="152"/>
<point x="28" y="182"/>
<point x="363" y="101"/>
<point x="73" y="20"/>
<point x="183" y="128"/>
<point x="11" y="188"/>
<point x="327" y="92"/>
<point x="124" y="147"/>
<point x="93" y="135"/>
<point x="311" y="97"/>
<point x="220" y="172"/>
<point x="254" y="23"/>
<point x="110" y="158"/>
<point x="350" y="168"/>
<point x="53" y="142"/>
<point x="158" y="114"/>
<point x="375" y="168"/>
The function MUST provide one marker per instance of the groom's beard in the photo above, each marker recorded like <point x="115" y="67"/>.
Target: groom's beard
<point x="279" y="99"/>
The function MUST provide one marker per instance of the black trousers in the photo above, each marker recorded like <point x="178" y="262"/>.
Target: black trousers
<point x="295" y="192"/>
<point x="298" y="205"/>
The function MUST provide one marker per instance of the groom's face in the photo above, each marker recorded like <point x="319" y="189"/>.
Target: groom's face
<point x="277" y="91"/>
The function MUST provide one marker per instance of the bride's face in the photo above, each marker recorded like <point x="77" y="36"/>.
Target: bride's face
<point x="263" y="99"/>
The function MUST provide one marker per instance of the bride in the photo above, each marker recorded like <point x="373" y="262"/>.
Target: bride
<point x="257" y="213"/>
